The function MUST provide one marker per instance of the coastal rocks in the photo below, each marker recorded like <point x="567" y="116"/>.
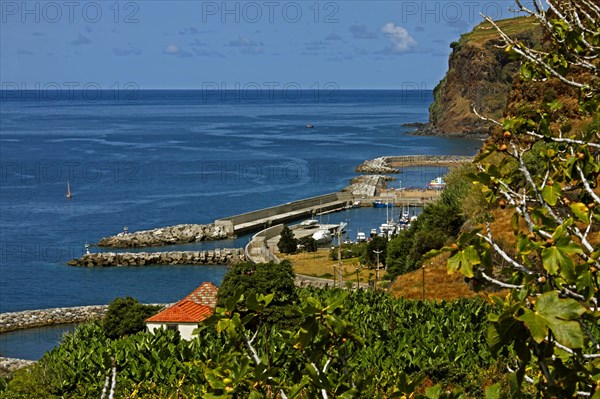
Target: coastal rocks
<point x="377" y="165"/>
<point x="43" y="317"/>
<point x="367" y="185"/>
<point x="480" y="76"/>
<point x="9" y="364"/>
<point x="108" y="259"/>
<point x="180" y="234"/>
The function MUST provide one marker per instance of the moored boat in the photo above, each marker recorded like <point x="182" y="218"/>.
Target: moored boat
<point x="437" y="183"/>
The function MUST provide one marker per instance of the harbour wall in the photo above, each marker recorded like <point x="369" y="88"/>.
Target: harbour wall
<point x="267" y="217"/>
<point x="258" y="251"/>
<point x="110" y="259"/>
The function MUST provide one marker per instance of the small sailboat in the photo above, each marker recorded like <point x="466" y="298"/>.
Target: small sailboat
<point x="69" y="195"/>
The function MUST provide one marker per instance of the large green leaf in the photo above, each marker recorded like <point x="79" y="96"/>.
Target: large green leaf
<point x="557" y="314"/>
<point x="581" y="211"/>
<point x="464" y="260"/>
<point x="550" y="194"/>
<point x="559" y="255"/>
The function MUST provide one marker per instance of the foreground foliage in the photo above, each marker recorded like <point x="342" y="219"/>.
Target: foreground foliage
<point x="360" y="344"/>
<point x="545" y="168"/>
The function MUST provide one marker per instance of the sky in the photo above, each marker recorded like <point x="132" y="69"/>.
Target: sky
<point x="157" y="44"/>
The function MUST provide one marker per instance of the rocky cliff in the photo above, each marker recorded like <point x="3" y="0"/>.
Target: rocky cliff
<point x="480" y="74"/>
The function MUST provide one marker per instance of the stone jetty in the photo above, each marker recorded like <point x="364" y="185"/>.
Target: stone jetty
<point x="44" y="317"/>
<point x="367" y="185"/>
<point x="211" y="257"/>
<point x="180" y="234"/>
<point x="377" y="165"/>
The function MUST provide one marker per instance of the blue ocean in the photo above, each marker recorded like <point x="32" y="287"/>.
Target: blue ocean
<point x="156" y="158"/>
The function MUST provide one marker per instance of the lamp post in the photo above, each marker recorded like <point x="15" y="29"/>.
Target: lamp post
<point x="423" y="267"/>
<point x="377" y="270"/>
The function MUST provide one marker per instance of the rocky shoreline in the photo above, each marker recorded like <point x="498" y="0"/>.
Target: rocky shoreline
<point x="179" y="234"/>
<point x="428" y="129"/>
<point x="10" y="364"/>
<point x="109" y="259"/>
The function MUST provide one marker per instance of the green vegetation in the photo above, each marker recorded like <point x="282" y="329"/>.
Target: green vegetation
<point x="439" y="224"/>
<point x="261" y="279"/>
<point x="363" y="344"/>
<point x="288" y="244"/>
<point x="308" y="244"/>
<point x="364" y="251"/>
<point x="126" y="316"/>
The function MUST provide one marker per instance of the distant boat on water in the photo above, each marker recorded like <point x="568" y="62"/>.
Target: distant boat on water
<point x="309" y="126"/>
<point x="69" y="195"/>
<point x="438" y="183"/>
<point x="381" y="204"/>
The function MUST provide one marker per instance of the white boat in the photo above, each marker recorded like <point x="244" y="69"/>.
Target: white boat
<point x="387" y="229"/>
<point x="69" y="195"/>
<point x="322" y="236"/>
<point x="361" y="237"/>
<point x="437" y="183"/>
<point x="307" y="224"/>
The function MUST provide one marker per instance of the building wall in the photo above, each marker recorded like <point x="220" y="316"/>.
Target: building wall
<point x="185" y="329"/>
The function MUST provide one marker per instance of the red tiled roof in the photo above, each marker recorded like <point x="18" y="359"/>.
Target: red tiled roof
<point x="197" y="306"/>
<point x="184" y="311"/>
<point x="205" y="295"/>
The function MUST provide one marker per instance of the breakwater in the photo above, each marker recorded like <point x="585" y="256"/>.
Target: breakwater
<point x="377" y="165"/>
<point x="390" y="164"/>
<point x="179" y="234"/>
<point x="12" y="321"/>
<point x="108" y="259"/>
<point x="367" y="185"/>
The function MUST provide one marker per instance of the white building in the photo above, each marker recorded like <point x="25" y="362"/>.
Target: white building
<point x="185" y="315"/>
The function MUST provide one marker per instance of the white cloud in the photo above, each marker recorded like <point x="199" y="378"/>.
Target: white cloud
<point x="401" y="40"/>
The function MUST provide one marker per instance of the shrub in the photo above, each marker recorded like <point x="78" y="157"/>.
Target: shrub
<point x="287" y="244"/>
<point x="125" y="316"/>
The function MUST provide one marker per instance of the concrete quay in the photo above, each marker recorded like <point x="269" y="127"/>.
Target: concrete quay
<point x="110" y="259"/>
<point x="291" y="211"/>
